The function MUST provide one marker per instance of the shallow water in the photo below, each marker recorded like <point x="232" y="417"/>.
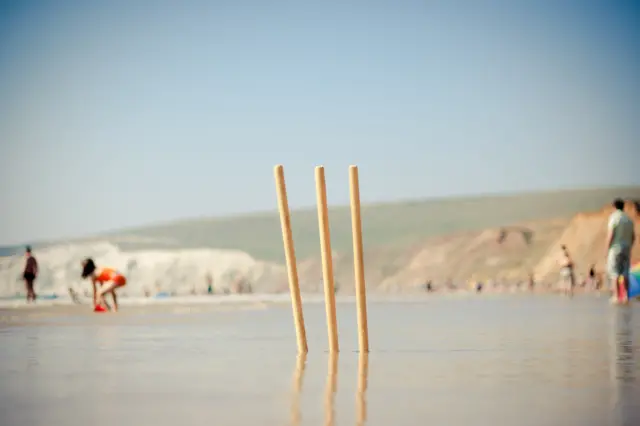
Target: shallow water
<point x="518" y="360"/>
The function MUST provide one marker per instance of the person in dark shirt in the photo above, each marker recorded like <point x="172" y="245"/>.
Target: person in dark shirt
<point x="592" y="278"/>
<point x="30" y="274"/>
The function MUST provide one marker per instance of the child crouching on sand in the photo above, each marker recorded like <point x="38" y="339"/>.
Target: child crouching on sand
<point x="109" y="280"/>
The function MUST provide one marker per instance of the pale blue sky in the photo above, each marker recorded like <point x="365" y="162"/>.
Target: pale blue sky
<point x="120" y="113"/>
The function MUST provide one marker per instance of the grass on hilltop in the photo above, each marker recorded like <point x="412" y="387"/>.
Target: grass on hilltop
<point x="395" y="224"/>
<point x="387" y="224"/>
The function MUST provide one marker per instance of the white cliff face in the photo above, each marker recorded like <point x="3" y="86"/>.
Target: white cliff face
<point x="180" y="271"/>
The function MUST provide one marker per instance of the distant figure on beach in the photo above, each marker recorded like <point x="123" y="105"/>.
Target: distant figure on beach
<point x="209" y="284"/>
<point x="108" y="279"/>
<point x="566" y="271"/>
<point x="74" y="296"/>
<point x="620" y="239"/>
<point x="450" y="285"/>
<point x="593" y="279"/>
<point x="30" y="274"/>
<point x="532" y="281"/>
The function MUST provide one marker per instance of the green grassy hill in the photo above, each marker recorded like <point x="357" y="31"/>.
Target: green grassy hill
<point x="393" y="224"/>
<point x="387" y="224"/>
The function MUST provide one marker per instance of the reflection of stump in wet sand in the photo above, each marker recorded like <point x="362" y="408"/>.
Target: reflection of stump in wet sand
<point x="330" y="389"/>
<point x="361" y="393"/>
<point x="298" y="375"/>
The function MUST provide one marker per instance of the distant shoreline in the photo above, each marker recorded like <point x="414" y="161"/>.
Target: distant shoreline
<point x="240" y="300"/>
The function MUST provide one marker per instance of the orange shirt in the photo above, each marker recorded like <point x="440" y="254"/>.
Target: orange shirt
<point x="108" y="274"/>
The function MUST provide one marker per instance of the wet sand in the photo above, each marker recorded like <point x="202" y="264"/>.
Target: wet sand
<point x="522" y="360"/>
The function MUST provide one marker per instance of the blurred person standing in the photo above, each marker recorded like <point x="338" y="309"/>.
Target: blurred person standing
<point x="30" y="274"/>
<point x="620" y="239"/>
<point x="532" y="281"/>
<point x="592" y="281"/>
<point x="567" y="274"/>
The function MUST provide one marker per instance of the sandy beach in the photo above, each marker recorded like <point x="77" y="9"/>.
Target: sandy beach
<point x="456" y="360"/>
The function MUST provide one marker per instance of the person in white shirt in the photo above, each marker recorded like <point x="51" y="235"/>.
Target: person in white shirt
<point x="567" y="271"/>
<point x="620" y="238"/>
